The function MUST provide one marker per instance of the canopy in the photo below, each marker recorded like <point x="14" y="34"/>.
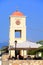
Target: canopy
<point x="26" y="45"/>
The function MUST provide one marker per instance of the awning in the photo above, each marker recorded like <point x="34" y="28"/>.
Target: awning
<point x="26" y="45"/>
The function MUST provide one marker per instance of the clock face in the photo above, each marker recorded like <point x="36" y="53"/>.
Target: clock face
<point x="18" y="22"/>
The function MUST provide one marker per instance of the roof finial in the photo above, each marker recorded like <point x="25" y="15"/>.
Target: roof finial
<point x="16" y="9"/>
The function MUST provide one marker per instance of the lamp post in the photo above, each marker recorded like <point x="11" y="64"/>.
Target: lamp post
<point x="15" y="49"/>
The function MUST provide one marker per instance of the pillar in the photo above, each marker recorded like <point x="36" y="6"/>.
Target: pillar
<point x="21" y="53"/>
<point x="25" y="53"/>
<point x="12" y="53"/>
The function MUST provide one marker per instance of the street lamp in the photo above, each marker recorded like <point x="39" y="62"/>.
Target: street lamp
<point x="15" y="49"/>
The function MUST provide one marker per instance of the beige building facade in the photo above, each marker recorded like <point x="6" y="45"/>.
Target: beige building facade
<point x="17" y="31"/>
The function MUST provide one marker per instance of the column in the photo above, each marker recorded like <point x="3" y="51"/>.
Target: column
<point x="12" y="53"/>
<point x="25" y="53"/>
<point x="21" y="53"/>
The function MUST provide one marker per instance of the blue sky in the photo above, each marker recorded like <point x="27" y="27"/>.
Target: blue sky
<point x="33" y="9"/>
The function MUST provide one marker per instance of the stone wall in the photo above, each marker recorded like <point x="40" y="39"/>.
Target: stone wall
<point x="23" y="62"/>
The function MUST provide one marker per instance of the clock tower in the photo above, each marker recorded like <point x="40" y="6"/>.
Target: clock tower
<point x="17" y="28"/>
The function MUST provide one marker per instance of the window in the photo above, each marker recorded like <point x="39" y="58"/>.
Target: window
<point x="17" y="33"/>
